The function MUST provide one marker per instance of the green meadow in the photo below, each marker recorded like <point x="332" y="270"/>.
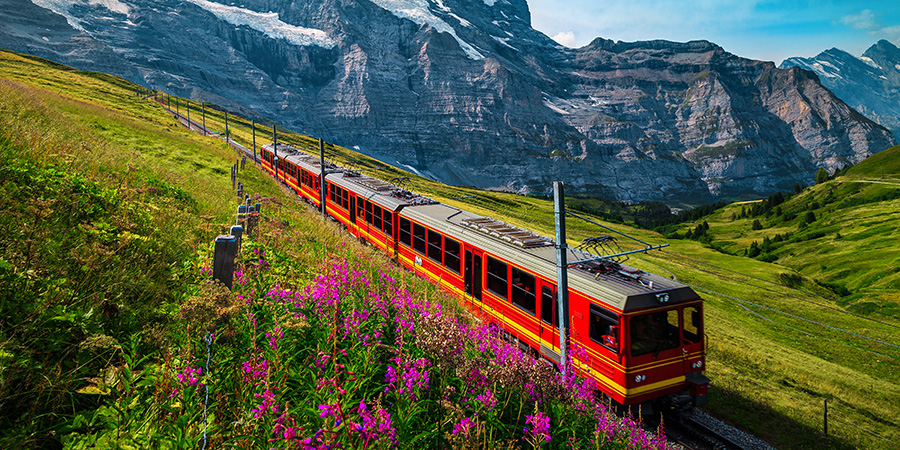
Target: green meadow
<point x="810" y="312"/>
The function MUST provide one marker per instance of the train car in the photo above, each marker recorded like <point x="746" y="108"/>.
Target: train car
<point x="642" y="333"/>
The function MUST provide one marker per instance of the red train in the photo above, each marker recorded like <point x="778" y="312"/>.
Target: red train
<point x="643" y="333"/>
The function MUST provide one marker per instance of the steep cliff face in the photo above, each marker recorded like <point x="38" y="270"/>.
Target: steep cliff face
<point x="468" y="93"/>
<point x="869" y="83"/>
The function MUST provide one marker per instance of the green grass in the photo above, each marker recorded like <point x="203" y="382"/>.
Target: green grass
<point x="770" y="371"/>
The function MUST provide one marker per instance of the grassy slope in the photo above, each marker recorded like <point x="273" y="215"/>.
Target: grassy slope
<point x="770" y="371"/>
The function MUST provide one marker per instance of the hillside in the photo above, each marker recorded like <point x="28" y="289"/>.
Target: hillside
<point x="469" y="93"/>
<point x="113" y="335"/>
<point x="771" y="359"/>
<point x="837" y="233"/>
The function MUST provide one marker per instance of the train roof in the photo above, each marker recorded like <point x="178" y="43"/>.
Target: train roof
<point x="617" y="285"/>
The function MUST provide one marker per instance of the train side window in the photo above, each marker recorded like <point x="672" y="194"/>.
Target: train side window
<point x="345" y="199"/>
<point x="405" y="235"/>
<point x="524" y="290"/>
<point x="435" y="246"/>
<point x="419" y="244"/>
<point x="376" y="216"/>
<point x="692" y="328"/>
<point x="369" y="212"/>
<point x="497" y="277"/>
<point x="451" y="254"/>
<point x="360" y="208"/>
<point x="388" y="221"/>
<point x="604" y="328"/>
<point x="548" y="307"/>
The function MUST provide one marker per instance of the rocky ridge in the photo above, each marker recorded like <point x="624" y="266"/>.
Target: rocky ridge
<point x="469" y="93"/>
<point x="869" y="83"/>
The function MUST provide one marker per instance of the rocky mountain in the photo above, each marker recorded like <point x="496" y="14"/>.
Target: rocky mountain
<point x="467" y="92"/>
<point x="869" y="83"/>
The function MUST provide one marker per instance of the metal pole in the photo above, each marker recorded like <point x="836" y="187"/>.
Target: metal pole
<point x="176" y="107"/>
<point x="203" y="112"/>
<point x="226" y="127"/>
<point x="562" y="275"/>
<point x="253" y="127"/>
<point x="826" y="417"/>
<point x="322" y="174"/>
<point x="189" y="115"/>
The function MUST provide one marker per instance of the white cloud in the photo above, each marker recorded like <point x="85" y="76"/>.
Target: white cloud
<point x="863" y="20"/>
<point x="565" y="38"/>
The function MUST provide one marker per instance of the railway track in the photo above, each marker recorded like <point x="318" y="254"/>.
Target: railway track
<point x="695" y="430"/>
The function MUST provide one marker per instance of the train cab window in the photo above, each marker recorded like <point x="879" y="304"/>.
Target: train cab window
<point x="419" y="244"/>
<point x="345" y="199"/>
<point x="497" y="277"/>
<point x="388" y="221"/>
<point x="435" y="246"/>
<point x="654" y="332"/>
<point x="360" y="208"/>
<point x="405" y="235"/>
<point x="451" y="254"/>
<point x="524" y="290"/>
<point x="548" y="307"/>
<point x="376" y="217"/>
<point x="692" y="333"/>
<point x="604" y="328"/>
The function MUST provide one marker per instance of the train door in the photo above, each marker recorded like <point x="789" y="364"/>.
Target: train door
<point x="352" y="211"/>
<point x="473" y="274"/>
<point x="549" y="322"/>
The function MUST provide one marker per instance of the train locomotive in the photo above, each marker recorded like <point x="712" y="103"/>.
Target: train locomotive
<point x="642" y="333"/>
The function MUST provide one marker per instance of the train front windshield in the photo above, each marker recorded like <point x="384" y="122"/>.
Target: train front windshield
<point x="654" y="332"/>
<point x="659" y="331"/>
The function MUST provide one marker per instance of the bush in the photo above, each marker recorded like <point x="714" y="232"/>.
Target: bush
<point x="756" y="225"/>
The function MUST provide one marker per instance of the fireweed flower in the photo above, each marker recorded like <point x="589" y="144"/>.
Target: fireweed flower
<point x="268" y="404"/>
<point x="190" y="376"/>
<point x="463" y="427"/>
<point x="273" y="337"/>
<point x="328" y="410"/>
<point x="374" y="425"/>
<point x="255" y="370"/>
<point x="539" y="429"/>
<point x="486" y="401"/>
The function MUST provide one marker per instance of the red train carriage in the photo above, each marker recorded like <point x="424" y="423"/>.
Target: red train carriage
<point x="643" y="334"/>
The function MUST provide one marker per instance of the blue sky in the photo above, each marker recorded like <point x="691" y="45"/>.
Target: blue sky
<point x="765" y="30"/>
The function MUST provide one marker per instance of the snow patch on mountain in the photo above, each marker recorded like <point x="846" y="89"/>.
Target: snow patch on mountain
<point x="490" y="2"/>
<point x="267" y="23"/>
<point x="64" y="8"/>
<point x="869" y="61"/>
<point x="418" y="12"/>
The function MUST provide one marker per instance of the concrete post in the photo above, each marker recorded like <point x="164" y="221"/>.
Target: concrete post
<point x="223" y="259"/>
<point x="237" y="231"/>
<point x="562" y="274"/>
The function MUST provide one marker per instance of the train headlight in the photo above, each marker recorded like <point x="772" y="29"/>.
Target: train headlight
<point x="662" y="298"/>
<point x="639" y="378"/>
<point x="697" y="364"/>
